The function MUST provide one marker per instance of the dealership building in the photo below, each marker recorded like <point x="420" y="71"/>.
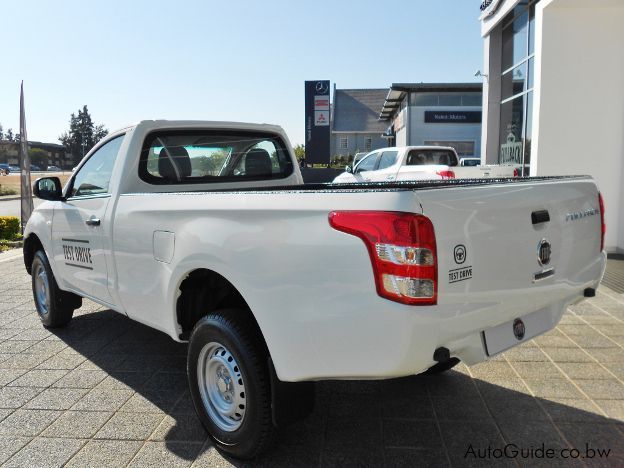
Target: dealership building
<point x="354" y="122"/>
<point x="446" y="114"/>
<point x="553" y="95"/>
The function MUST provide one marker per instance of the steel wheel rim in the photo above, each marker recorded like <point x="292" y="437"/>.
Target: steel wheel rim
<point x="221" y="386"/>
<point x="42" y="289"/>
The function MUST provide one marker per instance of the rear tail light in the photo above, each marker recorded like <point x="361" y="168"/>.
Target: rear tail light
<point x="516" y="173"/>
<point x="603" y="226"/>
<point x="446" y="174"/>
<point x="402" y="249"/>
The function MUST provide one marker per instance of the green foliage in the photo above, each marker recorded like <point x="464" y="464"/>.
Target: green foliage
<point x="7" y="191"/>
<point x="9" y="135"/>
<point x="83" y="134"/>
<point x="39" y="157"/>
<point x="340" y="160"/>
<point x="299" y="152"/>
<point x="9" y="227"/>
<point x="210" y="165"/>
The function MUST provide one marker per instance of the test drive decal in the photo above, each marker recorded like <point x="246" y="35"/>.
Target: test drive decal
<point x="460" y="274"/>
<point x="77" y="253"/>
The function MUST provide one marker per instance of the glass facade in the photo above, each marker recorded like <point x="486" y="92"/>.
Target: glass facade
<point x="518" y="50"/>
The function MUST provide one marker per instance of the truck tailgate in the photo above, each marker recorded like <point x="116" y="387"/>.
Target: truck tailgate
<point x="488" y="246"/>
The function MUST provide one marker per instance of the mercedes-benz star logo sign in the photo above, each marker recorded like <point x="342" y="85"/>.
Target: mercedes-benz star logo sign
<point x="321" y="87"/>
<point x="543" y="252"/>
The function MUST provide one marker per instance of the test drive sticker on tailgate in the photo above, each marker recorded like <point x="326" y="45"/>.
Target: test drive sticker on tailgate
<point x="463" y="273"/>
<point x="77" y="253"/>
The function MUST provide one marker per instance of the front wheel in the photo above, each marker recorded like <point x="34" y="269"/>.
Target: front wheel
<point x="230" y="383"/>
<point x="54" y="306"/>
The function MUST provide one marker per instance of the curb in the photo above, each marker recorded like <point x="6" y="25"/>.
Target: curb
<point x="9" y="198"/>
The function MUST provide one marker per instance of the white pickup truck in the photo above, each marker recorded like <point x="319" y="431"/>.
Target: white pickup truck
<point x="418" y="163"/>
<point x="204" y="230"/>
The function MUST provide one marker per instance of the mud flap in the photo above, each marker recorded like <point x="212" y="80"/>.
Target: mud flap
<point x="290" y="401"/>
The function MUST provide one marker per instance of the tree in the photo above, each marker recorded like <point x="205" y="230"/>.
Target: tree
<point x="9" y="134"/>
<point x="83" y="134"/>
<point x="38" y="157"/>
<point x="299" y="152"/>
<point x="1" y="132"/>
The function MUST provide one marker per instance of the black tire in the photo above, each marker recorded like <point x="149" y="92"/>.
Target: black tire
<point x="441" y="367"/>
<point x="248" y="376"/>
<point x="57" y="310"/>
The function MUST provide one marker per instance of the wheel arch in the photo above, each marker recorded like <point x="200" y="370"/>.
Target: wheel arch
<point x="31" y="244"/>
<point x="203" y="290"/>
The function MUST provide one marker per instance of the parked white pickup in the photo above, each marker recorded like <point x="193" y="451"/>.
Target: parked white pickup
<point x="418" y="163"/>
<point x="204" y="230"/>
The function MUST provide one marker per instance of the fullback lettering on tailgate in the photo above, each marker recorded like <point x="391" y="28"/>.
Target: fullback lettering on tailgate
<point x="77" y="253"/>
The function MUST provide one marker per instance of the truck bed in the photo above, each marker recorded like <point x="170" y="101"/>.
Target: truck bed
<point x="393" y="186"/>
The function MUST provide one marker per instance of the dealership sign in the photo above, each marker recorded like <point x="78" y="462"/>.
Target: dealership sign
<point x="317" y="109"/>
<point x="452" y="116"/>
<point x="489" y="7"/>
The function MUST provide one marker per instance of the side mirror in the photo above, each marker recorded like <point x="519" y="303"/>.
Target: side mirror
<point x="349" y="169"/>
<point x="48" y="188"/>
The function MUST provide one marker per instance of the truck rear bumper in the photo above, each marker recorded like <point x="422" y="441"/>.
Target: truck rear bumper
<point x="376" y="342"/>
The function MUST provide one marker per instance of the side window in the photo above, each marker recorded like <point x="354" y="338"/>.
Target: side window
<point x="367" y="164"/>
<point x="93" y="178"/>
<point x="388" y="158"/>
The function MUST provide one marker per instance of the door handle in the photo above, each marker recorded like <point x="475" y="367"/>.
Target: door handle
<point x="92" y="222"/>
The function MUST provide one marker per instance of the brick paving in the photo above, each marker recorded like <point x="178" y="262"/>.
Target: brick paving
<point x="106" y="391"/>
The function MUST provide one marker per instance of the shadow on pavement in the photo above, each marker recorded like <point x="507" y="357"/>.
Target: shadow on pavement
<point x="413" y="421"/>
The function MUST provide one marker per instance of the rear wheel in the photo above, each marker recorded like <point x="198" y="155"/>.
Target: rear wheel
<point x="55" y="307"/>
<point x="230" y="383"/>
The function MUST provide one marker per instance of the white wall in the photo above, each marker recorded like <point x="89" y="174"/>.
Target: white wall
<point x="401" y="137"/>
<point x="578" y="118"/>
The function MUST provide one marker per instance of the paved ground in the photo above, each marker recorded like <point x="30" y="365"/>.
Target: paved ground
<point x="106" y="391"/>
<point x="13" y="207"/>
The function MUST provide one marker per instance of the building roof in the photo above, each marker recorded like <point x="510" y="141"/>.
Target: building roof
<point x="397" y="92"/>
<point x="49" y="145"/>
<point x="357" y="110"/>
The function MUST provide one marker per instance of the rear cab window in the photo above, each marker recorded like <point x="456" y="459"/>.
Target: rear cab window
<point x="205" y="156"/>
<point x="425" y="157"/>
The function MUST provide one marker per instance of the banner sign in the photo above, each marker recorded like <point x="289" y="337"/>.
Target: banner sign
<point x="511" y="151"/>
<point x="24" y="157"/>
<point x="317" y="131"/>
<point x="452" y="116"/>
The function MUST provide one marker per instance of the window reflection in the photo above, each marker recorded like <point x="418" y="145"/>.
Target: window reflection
<point x="517" y="78"/>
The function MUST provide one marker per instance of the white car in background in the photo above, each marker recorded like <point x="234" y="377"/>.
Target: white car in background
<point x="418" y="163"/>
<point x="470" y="162"/>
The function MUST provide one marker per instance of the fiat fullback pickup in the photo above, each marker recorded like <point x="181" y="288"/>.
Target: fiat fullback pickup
<point x="205" y="231"/>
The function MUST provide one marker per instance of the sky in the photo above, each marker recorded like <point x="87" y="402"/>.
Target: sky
<point x="219" y="60"/>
